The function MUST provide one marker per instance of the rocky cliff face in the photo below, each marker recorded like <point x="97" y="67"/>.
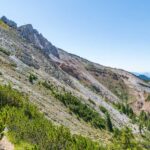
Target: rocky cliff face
<point x="32" y="36"/>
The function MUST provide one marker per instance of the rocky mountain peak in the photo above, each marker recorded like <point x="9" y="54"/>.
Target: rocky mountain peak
<point x="10" y="23"/>
<point x="34" y="37"/>
<point x="27" y="27"/>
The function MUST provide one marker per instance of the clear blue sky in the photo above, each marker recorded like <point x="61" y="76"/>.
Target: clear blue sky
<point x="110" y="32"/>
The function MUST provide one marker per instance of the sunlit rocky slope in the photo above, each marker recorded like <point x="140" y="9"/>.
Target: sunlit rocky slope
<point x="28" y="59"/>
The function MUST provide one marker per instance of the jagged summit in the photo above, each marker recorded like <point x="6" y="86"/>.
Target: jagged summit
<point x="33" y="36"/>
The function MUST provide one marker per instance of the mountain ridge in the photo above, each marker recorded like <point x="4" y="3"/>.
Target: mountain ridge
<point x="33" y="66"/>
<point x="144" y="76"/>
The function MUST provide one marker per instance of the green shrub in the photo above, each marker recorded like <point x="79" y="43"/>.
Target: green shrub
<point x="10" y="97"/>
<point x="144" y="119"/>
<point x="91" y="101"/>
<point x="32" y="78"/>
<point x="126" y="109"/>
<point x="109" y="123"/>
<point x="103" y="109"/>
<point x="48" y="85"/>
<point x="6" y="52"/>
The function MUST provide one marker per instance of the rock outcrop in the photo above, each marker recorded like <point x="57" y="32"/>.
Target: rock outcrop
<point x="37" y="39"/>
<point x="10" y="23"/>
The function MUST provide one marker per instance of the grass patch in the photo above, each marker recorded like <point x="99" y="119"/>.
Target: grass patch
<point x="3" y="25"/>
<point x="75" y="105"/>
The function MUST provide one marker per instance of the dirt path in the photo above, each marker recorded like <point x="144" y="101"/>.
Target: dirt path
<point x="5" y="144"/>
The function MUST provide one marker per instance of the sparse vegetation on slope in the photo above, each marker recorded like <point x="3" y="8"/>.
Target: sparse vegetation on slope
<point x="81" y="110"/>
<point x="77" y="107"/>
<point x="29" y="129"/>
<point x="124" y="140"/>
<point x="111" y="80"/>
<point x="26" y="125"/>
<point x="144" y="120"/>
<point x="126" y="109"/>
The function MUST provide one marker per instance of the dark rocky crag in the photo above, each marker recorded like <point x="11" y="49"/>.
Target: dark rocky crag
<point x="33" y="36"/>
<point x="9" y="22"/>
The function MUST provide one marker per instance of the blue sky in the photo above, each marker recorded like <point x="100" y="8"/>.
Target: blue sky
<point x="110" y="32"/>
